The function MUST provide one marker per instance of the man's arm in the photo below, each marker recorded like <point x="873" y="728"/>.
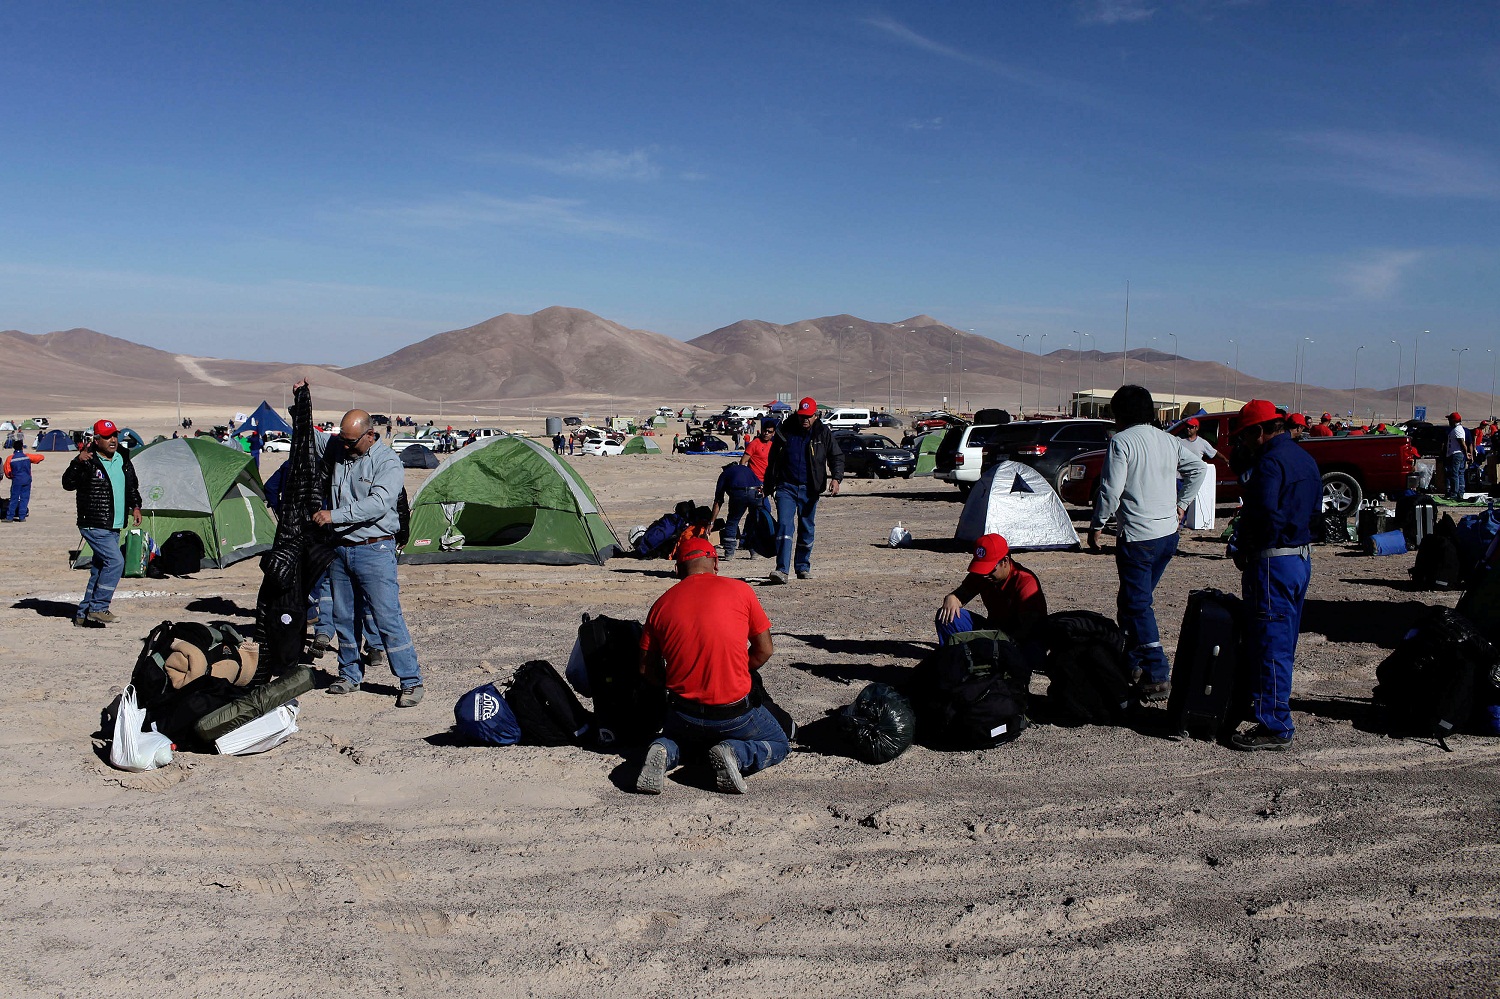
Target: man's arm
<point x="1111" y="484"/>
<point x="835" y="462"/>
<point x="954" y="602"/>
<point x="1261" y="515"/>
<point x="381" y="499"/>
<point x="760" y="649"/>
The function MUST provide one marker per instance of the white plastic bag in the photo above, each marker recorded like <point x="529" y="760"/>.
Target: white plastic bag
<point x="264" y="733"/>
<point x="133" y="749"/>
<point x="577" y="673"/>
<point x="900" y="536"/>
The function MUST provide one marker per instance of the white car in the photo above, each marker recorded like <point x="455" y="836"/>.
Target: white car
<point x="603" y="446"/>
<point x="279" y="444"/>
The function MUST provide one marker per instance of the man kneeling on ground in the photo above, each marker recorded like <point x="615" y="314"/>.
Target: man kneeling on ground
<point x="701" y="640"/>
<point x="1012" y="596"/>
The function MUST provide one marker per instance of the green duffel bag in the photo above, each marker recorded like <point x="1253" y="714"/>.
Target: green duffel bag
<point x="256" y="702"/>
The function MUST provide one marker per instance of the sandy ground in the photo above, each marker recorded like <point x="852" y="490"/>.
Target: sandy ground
<point x="373" y="856"/>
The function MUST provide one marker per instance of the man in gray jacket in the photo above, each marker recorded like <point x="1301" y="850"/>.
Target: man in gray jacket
<point x="366" y="482"/>
<point x="1140" y="487"/>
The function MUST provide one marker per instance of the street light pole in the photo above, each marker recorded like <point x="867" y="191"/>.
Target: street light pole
<point x="1492" y="381"/>
<point x="1125" y="354"/>
<point x="950" y="365"/>
<point x="1236" y="369"/>
<point x="1039" y="343"/>
<point x="1414" y="346"/>
<point x="1174" y="371"/>
<point x="1458" y="374"/>
<point x="1079" y="391"/>
<point x="1354" y="395"/>
<point x="1021" y="406"/>
<point x="1396" y="406"/>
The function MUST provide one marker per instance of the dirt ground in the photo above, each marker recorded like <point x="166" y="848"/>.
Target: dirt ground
<point x="372" y="855"/>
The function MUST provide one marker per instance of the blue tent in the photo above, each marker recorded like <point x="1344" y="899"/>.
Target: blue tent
<point x="55" y="440"/>
<point x="779" y="407"/>
<point x="266" y="420"/>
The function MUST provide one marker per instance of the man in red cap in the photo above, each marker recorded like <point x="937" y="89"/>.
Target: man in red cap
<point x="1324" y="427"/>
<point x="701" y="640"/>
<point x="803" y="462"/>
<point x="1200" y="515"/>
<point x="1012" y="596"/>
<point x="104" y="479"/>
<point x="1272" y="546"/>
<point x="1296" y="426"/>
<point x="1457" y="453"/>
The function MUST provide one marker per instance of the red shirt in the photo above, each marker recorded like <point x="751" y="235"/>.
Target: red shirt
<point x="758" y="452"/>
<point x="1015" y="606"/>
<point x="1321" y="430"/>
<point x="702" y="627"/>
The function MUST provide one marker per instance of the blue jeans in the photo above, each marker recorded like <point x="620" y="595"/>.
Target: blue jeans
<point x="740" y="501"/>
<point x="755" y="737"/>
<point x="1274" y="590"/>
<point x="322" y="599"/>
<point x="1140" y="565"/>
<point x="366" y="575"/>
<point x="795" y="509"/>
<point x="20" y="501"/>
<point x="1454" y="471"/>
<point x="1032" y="650"/>
<point x="104" y="571"/>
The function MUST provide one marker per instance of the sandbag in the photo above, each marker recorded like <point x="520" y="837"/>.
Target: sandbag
<point x="880" y="725"/>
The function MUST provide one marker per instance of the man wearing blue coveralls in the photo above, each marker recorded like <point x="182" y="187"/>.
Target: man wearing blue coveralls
<point x="1272" y="545"/>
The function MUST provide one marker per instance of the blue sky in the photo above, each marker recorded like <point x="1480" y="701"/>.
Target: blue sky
<point x="329" y="181"/>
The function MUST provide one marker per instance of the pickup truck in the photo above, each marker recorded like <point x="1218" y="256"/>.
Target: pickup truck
<point x="1351" y="466"/>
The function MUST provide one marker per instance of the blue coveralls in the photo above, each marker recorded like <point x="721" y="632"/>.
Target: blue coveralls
<point x="20" y="486"/>
<point x="1282" y="493"/>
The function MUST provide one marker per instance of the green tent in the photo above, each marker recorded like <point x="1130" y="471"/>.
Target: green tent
<point x="130" y="439"/>
<point x="658" y="421"/>
<point x="927" y="446"/>
<point x="196" y="484"/>
<point x="507" y="499"/>
<point x="642" y="445"/>
<point x="31" y="425"/>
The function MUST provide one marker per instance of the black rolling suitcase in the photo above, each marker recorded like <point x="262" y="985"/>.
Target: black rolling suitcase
<point x="1206" y="692"/>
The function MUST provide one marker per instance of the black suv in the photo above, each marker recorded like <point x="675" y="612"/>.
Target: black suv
<point x="1046" y="445"/>
<point x="874" y="456"/>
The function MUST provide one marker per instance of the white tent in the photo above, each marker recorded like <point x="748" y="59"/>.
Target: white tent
<point x="1015" y="501"/>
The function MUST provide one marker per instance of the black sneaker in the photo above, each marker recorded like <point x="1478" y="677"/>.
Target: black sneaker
<point x="1259" y="738"/>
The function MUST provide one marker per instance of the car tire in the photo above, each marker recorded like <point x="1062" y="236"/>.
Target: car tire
<point x="1343" y="491"/>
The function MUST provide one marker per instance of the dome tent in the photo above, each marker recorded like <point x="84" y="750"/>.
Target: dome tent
<point x="53" y="440"/>
<point x="1016" y="501"/>
<point x="418" y="456"/>
<point x="507" y="499"/>
<point x="130" y="439"/>
<point x="641" y="445"/>
<point x="927" y="448"/>
<point x="195" y="484"/>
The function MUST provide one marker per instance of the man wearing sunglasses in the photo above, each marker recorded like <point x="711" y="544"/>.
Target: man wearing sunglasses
<point x="1272" y="547"/>
<point x="365" y="483"/>
<point x="107" y="490"/>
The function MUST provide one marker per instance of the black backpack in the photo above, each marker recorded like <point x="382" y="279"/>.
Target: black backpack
<point x="759" y="535"/>
<point x="628" y="709"/>
<point x="879" y="725"/>
<point x="217" y="642"/>
<point x="1086" y="663"/>
<point x="971" y="694"/>
<point x="1437" y="678"/>
<point x="181" y="554"/>
<point x="546" y="707"/>
<point x="1438" y="566"/>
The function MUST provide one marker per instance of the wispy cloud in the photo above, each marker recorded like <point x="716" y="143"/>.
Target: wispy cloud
<point x="598" y="164"/>
<point x="1377" y="275"/>
<point x="1112" y="11"/>
<point x="1401" y="164"/>
<point x="1054" y="87"/>
<point x="924" y="124"/>
<point x="563" y="216"/>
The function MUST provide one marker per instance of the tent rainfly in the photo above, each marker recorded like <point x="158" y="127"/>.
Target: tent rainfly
<point x="1016" y="502"/>
<point x="54" y="440"/>
<point x="195" y="484"/>
<point x="641" y="445"/>
<point x="418" y="456"/>
<point x="266" y="420"/>
<point x="927" y="448"/>
<point x="507" y="499"/>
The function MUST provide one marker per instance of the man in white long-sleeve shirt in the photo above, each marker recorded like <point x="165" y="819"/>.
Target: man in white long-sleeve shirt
<point x="1140" y="487"/>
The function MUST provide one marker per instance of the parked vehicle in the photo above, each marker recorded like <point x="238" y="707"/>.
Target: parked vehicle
<point x="884" y="420"/>
<point x="1351" y="467"/>
<point x="42" y="422"/>
<point x="277" y="445"/>
<point x="1046" y="445"/>
<point x="380" y="419"/>
<point x="874" y="456"/>
<point x="848" y="419"/>
<point x="745" y="412"/>
<point x="936" y="420"/>
<point x="572" y="421"/>
<point x="1430" y="440"/>
<point x="603" y="446"/>
<point x="666" y="411"/>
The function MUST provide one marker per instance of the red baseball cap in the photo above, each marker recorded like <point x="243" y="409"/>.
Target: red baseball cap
<point x="693" y="548"/>
<point x="807" y="407"/>
<point x="988" y="551"/>
<point x="1254" y="413"/>
<point x="1192" y="422"/>
<point x="1456" y="417"/>
<point x="1297" y="420"/>
<point x="104" y="428"/>
<point x="1326" y="416"/>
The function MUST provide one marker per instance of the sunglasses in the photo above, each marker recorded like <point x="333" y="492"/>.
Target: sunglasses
<point x="352" y="441"/>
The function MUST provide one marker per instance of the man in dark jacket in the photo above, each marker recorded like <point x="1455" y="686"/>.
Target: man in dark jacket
<point x="803" y="463"/>
<point x="739" y="483"/>
<point x="104" y="479"/>
<point x="1272" y="547"/>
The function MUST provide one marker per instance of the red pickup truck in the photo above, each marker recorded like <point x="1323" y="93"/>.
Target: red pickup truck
<point x="1351" y="466"/>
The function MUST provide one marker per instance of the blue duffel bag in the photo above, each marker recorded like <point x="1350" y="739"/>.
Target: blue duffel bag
<point x="1388" y="543"/>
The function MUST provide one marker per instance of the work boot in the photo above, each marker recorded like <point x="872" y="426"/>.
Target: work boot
<point x="804" y="574"/>
<point x="375" y="657"/>
<point x="104" y="617"/>
<point x="87" y="621"/>
<point x="1153" y="693"/>
<point x="1259" y="737"/>
<point x="410" y="697"/>
<point x="777" y="576"/>
<point x="342" y="686"/>
<point x="653" y="776"/>
<point x="322" y="642"/>
<point x="726" y="769"/>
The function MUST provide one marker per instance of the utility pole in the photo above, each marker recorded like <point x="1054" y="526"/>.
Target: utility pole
<point x="1174" y="372"/>
<point x="1236" y="369"/>
<point x="179" y="400"/>
<point x="1396" y="406"/>
<point x="1354" y="396"/>
<point x="1021" y="406"/>
<point x="1039" y="397"/>
<point x="1079" y="391"/>
<point x="1125" y="354"/>
<point x="1458" y="374"/>
<point x="1414" y="347"/>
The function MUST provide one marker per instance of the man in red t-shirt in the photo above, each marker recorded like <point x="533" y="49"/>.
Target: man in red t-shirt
<point x="701" y="640"/>
<point x="1012" y="596"/>
<point x="758" y="448"/>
